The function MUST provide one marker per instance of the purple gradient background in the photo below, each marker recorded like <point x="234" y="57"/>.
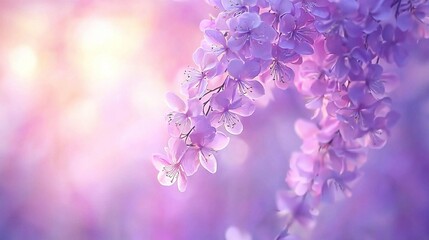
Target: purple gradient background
<point x="82" y="85"/>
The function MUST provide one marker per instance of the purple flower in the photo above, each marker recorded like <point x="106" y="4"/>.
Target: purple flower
<point x="170" y="167"/>
<point x="241" y="74"/>
<point x="411" y="15"/>
<point x="393" y="49"/>
<point x="298" y="207"/>
<point x="373" y="80"/>
<point x="318" y="8"/>
<point x="281" y="6"/>
<point x="179" y="121"/>
<point x="281" y="74"/>
<point x="337" y="182"/>
<point x="251" y="36"/>
<point x="377" y="134"/>
<point x="215" y="43"/>
<point x="227" y="107"/>
<point x="312" y="136"/>
<point x="301" y="173"/>
<point x="359" y="114"/>
<point x="298" y="34"/>
<point x="237" y="5"/>
<point x="196" y="80"/>
<point x="345" y="60"/>
<point x="205" y="142"/>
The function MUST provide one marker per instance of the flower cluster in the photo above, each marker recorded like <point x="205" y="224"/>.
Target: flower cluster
<point x="333" y="51"/>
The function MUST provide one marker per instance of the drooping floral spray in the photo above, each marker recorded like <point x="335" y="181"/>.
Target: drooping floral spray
<point x="333" y="51"/>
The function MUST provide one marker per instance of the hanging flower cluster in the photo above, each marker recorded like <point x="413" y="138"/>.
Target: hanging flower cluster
<point x="333" y="51"/>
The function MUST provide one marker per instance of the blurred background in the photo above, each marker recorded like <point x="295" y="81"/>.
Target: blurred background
<point x="82" y="85"/>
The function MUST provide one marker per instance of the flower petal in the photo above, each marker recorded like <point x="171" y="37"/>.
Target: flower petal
<point x="215" y="118"/>
<point x="235" y="68"/>
<point x="236" y="44"/>
<point x="159" y="161"/>
<point x="245" y="107"/>
<point x="219" y="142"/>
<point x="164" y="179"/>
<point x="305" y="129"/>
<point x="256" y="89"/>
<point x="262" y="50"/>
<point x="175" y="102"/>
<point x="190" y="161"/>
<point x="182" y="181"/>
<point x="235" y="127"/>
<point x="208" y="160"/>
<point x="215" y="36"/>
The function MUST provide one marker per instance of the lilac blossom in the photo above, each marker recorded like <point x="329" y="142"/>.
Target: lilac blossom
<point x="228" y="107"/>
<point x="281" y="7"/>
<point x="297" y="33"/>
<point x="180" y="119"/>
<point x="251" y="36"/>
<point x="170" y="167"/>
<point x="241" y="75"/>
<point x="237" y="5"/>
<point x="205" y="142"/>
<point x="196" y="79"/>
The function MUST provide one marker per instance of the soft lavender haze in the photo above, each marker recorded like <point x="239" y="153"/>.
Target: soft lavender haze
<point x="82" y="110"/>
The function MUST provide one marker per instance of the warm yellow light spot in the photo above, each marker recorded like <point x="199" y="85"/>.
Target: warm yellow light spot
<point x="104" y="50"/>
<point x="23" y="62"/>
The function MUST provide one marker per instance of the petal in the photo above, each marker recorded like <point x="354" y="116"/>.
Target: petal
<point x="245" y="107"/>
<point x="261" y="50"/>
<point x="347" y="131"/>
<point x="177" y="150"/>
<point x="356" y="93"/>
<point x="182" y="181"/>
<point x="304" y="48"/>
<point x="251" y="69"/>
<point x="256" y="89"/>
<point x="195" y="108"/>
<point x="248" y="21"/>
<point x="305" y="129"/>
<point x="236" y="44"/>
<point x="352" y="29"/>
<point x="198" y="56"/>
<point x="377" y="138"/>
<point x="377" y="87"/>
<point x="286" y="43"/>
<point x="405" y="21"/>
<point x="165" y="180"/>
<point x="264" y="33"/>
<point x="283" y="76"/>
<point x="215" y="118"/>
<point x="285" y="6"/>
<point x="190" y="161"/>
<point x="309" y="146"/>
<point x="215" y="36"/>
<point x="208" y="160"/>
<point x="287" y="23"/>
<point x="173" y="130"/>
<point x="175" y="102"/>
<point x="235" y="68"/>
<point x="160" y="161"/>
<point x="220" y="102"/>
<point x="234" y="126"/>
<point x="219" y="142"/>
<point x="301" y="188"/>
<point x="230" y="4"/>
<point x="209" y="62"/>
